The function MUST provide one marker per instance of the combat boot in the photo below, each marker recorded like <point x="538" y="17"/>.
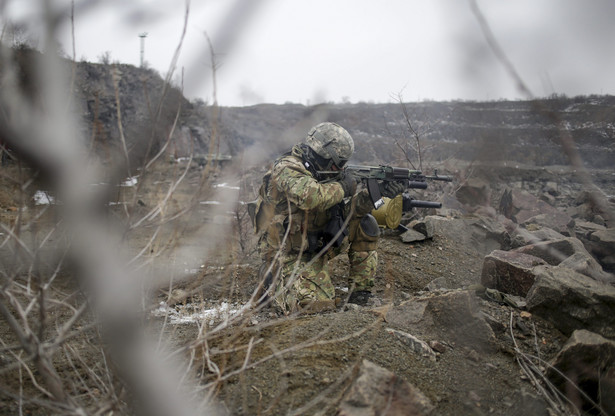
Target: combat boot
<point x="315" y="306"/>
<point x="360" y="297"/>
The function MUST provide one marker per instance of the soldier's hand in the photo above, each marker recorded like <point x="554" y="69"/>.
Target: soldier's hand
<point x="391" y="189"/>
<point x="349" y="184"/>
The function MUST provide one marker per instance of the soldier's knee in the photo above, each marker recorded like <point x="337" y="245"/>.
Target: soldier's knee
<point x="365" y="235"/>
<point x="369" y="226"/>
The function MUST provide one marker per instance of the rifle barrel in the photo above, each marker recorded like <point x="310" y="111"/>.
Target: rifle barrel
<point x="440" y="178"/>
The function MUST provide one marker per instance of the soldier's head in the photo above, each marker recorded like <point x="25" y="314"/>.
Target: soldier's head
<point x="331" y="146"/>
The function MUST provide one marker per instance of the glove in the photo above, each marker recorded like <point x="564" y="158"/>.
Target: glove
<point x="349" y="184"/>
<point x="391" y="189"/>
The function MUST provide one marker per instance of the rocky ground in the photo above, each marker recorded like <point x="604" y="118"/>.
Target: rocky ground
<point x="435" y="341"/>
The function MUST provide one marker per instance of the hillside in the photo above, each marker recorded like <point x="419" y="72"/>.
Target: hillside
<point x="118" y="288"/>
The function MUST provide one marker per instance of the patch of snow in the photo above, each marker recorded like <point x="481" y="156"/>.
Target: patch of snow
<point x="226" y="186"/>
<point x="132" y="181"/>
<point x="188" y="314"/>
<point x="43" y="198"/>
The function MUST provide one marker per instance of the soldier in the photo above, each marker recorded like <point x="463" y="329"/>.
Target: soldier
<point x="304" y="214"/>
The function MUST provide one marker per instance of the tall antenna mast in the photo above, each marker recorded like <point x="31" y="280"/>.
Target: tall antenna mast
<point x="142" y="36"/>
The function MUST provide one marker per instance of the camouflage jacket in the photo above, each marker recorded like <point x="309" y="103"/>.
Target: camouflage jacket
<point x="292" y="200"/>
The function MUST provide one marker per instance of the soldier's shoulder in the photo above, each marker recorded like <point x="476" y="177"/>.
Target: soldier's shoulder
<point x="288" y="162"/>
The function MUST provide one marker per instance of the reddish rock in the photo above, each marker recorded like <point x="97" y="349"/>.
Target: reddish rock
<point x="510" y="272"/>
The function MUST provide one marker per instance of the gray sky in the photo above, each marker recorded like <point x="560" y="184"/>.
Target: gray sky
<point x="309" y="51"/>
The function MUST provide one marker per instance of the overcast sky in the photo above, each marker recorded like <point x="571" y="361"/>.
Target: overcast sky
<point x="310" y="51"/>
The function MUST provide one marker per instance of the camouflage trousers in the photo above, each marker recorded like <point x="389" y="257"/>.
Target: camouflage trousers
<point x="301" y="280"/>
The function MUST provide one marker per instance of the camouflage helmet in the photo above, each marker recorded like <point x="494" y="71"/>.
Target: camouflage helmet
<point x="332" y="143"/>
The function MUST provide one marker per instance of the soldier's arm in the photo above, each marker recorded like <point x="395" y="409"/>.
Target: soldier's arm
<point x="303" y="190"/>
<point x="364" y="204"/>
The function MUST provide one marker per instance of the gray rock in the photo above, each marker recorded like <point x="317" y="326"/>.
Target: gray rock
<point x="377" y="391"/>
<point x="583" y="229"/>
<point x="509" y="271"/>
<point x="525" y="404"/>
<point x="556" y="220"/>
<point x="416" y="345"/>
<point x="425" y="228"/>
<point x="522" y="236"/>
<point x="438" y="283"/>
<point x="551" y="188"/>
<point x="474" y="191"/>
<point x="481" y="234"/>
<point x="412" y="236"/>
<point x="603" y="242"/>
<point x="453" y="317"/>
<point x="520" y="205"/>
<point x="569" y="252"/>
<point x="571" y="301"/>
<point x="587" y="360"/>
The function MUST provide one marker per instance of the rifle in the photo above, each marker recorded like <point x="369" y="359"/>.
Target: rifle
<point x="414" y="179"/>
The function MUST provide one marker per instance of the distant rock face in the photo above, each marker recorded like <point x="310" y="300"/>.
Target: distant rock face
<point x="377" y="391"/>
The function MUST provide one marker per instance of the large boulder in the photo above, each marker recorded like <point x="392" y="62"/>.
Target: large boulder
<point x="569" y="252"/>
<point x="589" y="208"/>
<point x="474" y="191"/>
<point x="520" y="205"/>
<point x="583" y="229"/>
<point x="571" y="301"/>
<point x="586" y="362"/>
<point x="556" y="220"/>
<point x="377" y="391"/>
<point x="602" y="245"/>
<point x="453" y="317"/>
<point x="525" y="236"/>
<point x="412" y="236"/>
<point x="482" y="234"/>
<point x="510" y="272"/>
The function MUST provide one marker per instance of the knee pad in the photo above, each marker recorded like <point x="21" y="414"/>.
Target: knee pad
<point x="369" y="225"/>
<point x="365" y="235"/>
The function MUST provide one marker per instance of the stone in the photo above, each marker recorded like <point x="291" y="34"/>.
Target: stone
<point x="425" y="228"/>
<point x="556" y="220"/>
<point x="453" y="317"/>
<point x="481" y="234"/>
<point x="603" y="242"/>
<point x="569" y="252"/>
<point x="378" y="391"/>
<point x="571" y="301"/>
<point x="474" y="191"/>
<point x="587" y="360"/>
<point x="509" y="271"/>
<point x="412" y="236"/>
<point x="416" y="345"/>
<point x="523" y="237"/>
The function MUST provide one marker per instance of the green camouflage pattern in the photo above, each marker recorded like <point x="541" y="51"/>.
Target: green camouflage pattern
<point x="302" y="281"/>
<point x="325" y="138"/>
<point x="302" y="206"/>
<point x="363" y="266"/>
